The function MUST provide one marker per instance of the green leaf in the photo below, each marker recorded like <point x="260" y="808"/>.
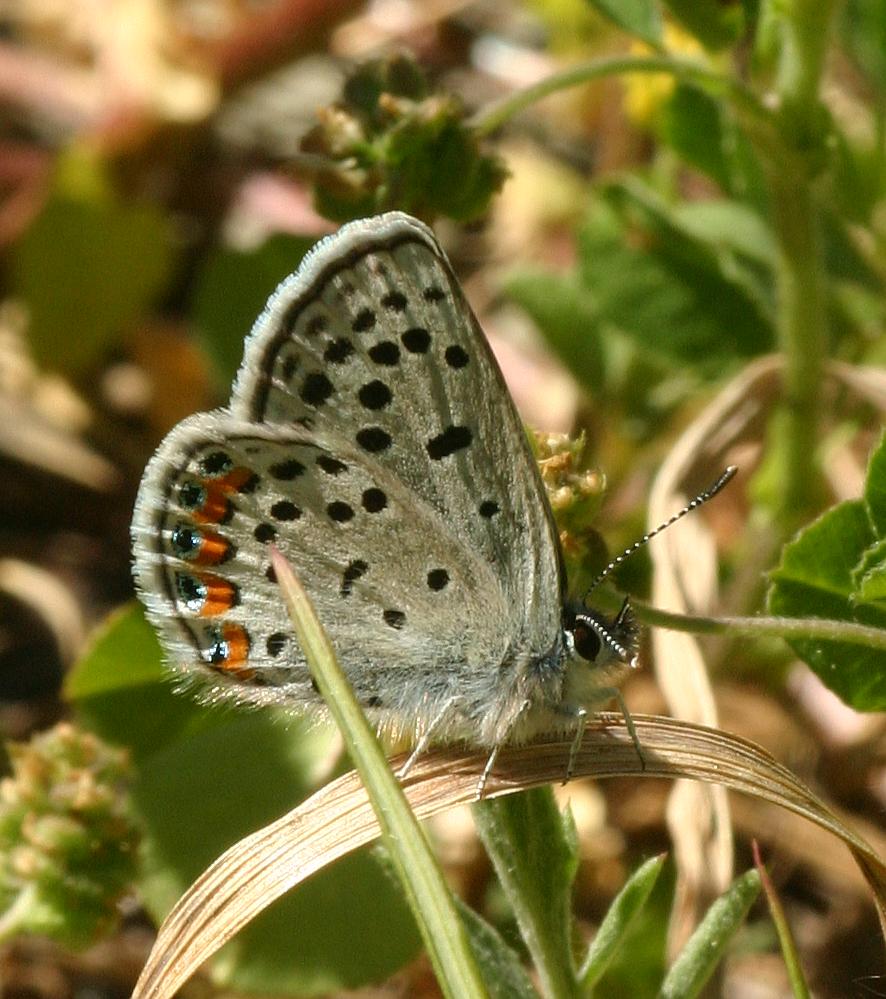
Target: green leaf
<point x="206" y="776"/>
<point x="869" y="575"/>
<point x="565" y="313"/>
<point x="206" y="792"/>
<point x="863" y="28"/>
<point x="703" y="132"/>
<point x="875" y="488"/>
<point x="638" y="17"/>
<point x="786" y="941"/>
<point x="638" y="964"/>
<point x="714" y="23"/>
<point x="502" y="971"/>
<point x="706" y="947"/>
<point x="232" y="290"/>
<point x="728" y="226"/>
<point x="815" y="578"/>
<point x="89" y="266"/>
<point x="670" y="292"/>
<point x="618" y="921"/>
<point x="836" y="568"/>
<point x="533" y="849"/>
<point x="122" y="692"/>
<point x="843" y="258"/>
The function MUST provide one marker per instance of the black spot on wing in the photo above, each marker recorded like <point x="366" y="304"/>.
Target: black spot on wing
<point x="264" y="533"/>
<point x="374" y="439"/>
<point x="374" y="500"/>
<point x="340" y="512"/>
<point x="315" y="325"/>
<point x="287" y="470"/>
<point x="374" y="395"/>
<point x="285" y="510"/>
<point x="276" y="643"/>
<point x="330" y="465"/>
<point x="316" y="389"/>
<point x="456" y="356"/>
<point x="394" y="618"/>
<point x="363" y="321"/>
<point x="451" y="440"/>
<point x="386" y="353"/>
<point x="395" y="300"/>
<point x="216" y="463"/>
<point x="416" y="340"/>
<point x="338" y="351"/>
<point x="353" y="571"/>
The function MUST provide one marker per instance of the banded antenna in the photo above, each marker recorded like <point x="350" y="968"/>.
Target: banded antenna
<point x="703" y="497"/>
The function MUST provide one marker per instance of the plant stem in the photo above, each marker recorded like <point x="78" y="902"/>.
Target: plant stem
<point x="525" y="839"/>
<point x="424" y="885"/>
<point x="489" y="119"/>
<point x="765" y="627"/>
<point x="801" y="277"/>
<point x="805" y="37"/>
<point x="803" y="333"/>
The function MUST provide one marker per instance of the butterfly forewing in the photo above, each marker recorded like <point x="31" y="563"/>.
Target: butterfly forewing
<point x="370" y="438"/>
<point x="373" y="342"/>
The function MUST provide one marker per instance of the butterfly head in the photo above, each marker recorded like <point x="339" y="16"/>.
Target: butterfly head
<point x="603" y="641"/>
<point x="612" y="645"/>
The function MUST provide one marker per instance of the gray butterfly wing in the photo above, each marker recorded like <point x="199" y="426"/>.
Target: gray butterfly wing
<point x="385" y="458"/>
<point x="372" y="339"/>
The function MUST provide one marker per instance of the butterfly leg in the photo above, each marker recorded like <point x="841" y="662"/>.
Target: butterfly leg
<point x="425" y="739"/>
<point x="613" y="693"/>
<point x="487" y="770"/>
<point x="493" y="756"/>
<point x="581" y="721"/>
<point x="581" y="715"/>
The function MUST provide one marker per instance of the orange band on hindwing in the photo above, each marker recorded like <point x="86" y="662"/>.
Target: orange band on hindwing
<point x="205" y="594"/>
<point x="208" y="499"/>
<point x="199" y="545"/>
<point x="228" y="651"/>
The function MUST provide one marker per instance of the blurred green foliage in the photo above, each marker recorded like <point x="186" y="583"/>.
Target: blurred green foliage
<point x="89" y="265"/>
<point x="206" y="776"/>
<point x="67" y="840"/>
<point x="391" y="143"/>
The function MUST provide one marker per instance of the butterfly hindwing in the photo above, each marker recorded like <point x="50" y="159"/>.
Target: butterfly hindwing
<point x="407" y="627"/>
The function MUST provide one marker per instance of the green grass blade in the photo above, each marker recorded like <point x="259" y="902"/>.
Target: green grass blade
<point x="701" y="955"/>
<point x="428" y="894"/>
<point x="618" y="921"/>
<point x="785" y="938"/>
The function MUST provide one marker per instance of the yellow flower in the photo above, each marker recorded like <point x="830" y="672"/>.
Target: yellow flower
<point x="645" y="93"/>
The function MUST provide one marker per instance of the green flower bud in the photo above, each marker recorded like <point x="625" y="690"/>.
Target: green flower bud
<point x="67" y="846"/>
<point x="575" y="493"/>
<point x="390" y="144"/>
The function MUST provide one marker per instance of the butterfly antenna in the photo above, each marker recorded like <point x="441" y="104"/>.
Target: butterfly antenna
<point x="702" y="497"/>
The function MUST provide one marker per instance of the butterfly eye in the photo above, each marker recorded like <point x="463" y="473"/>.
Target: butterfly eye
<point x="587" y="642"/>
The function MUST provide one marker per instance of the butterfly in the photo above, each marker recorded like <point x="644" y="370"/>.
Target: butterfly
<point x="370" y="437"/>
